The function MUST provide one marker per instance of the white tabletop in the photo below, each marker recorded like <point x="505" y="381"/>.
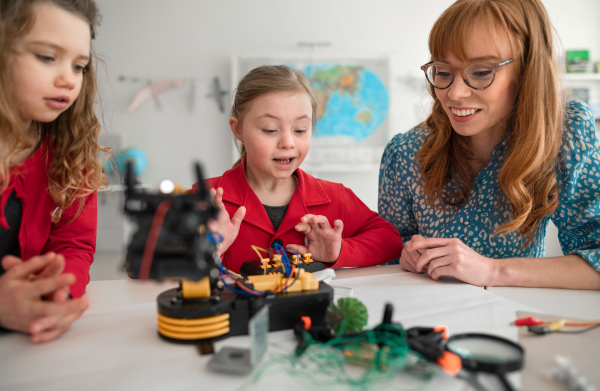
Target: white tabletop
<point x="114" y="346"/>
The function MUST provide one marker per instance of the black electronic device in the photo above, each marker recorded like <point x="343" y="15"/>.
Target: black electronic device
<point x="173" y="241"/>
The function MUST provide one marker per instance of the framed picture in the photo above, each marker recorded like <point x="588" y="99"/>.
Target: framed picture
<point x="353" y="107"/>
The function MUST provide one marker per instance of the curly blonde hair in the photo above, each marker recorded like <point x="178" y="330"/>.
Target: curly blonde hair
<point x="75" y="170"/>
<point x="527" y="177"/>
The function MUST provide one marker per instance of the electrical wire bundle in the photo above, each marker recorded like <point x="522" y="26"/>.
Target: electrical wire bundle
<point x="538" y="326"/>
<point x="290" y="272"/>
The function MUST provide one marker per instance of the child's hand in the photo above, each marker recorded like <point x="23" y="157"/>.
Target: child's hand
<point x="22" y="307"/>
<point x="324" y="242"/>
<point x="227" y="228"/>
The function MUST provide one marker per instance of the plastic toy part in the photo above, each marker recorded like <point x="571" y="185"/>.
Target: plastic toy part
<point x="265" y="265"/>
<point x="274" y="281"/>
<point x="193" y="329"/>
<point x="195" y="320"/>
<point x="195" y="290"/>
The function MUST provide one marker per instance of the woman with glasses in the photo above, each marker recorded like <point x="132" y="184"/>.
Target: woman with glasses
<point x="472" y="189"/>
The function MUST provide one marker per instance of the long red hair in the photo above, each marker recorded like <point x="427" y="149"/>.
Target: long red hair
<point x="527" y="177"/>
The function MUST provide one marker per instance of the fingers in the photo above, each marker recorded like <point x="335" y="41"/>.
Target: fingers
<point x="297" y="248"/>
<point x="426" y="243"/>
<point x="22" y="270"/>
<point x="430" y="255"/>
<point x="310" y="223"/>
<point x="9" y="261"/>
<point x="408" y="261"/>
<point x="238" y="217"/>
<point x="48" y="285"/>
<point x="54" y="268"/>
<point x="338" y="227"/>
<point x="50" y="327"/>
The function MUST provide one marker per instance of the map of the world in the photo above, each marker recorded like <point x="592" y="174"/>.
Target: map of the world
<point x="353" y="101"/>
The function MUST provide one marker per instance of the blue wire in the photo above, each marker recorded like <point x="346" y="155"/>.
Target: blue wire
<point x="284" y="258"/>
<point x="223" y="272"/>
<point x="215" y="237"/>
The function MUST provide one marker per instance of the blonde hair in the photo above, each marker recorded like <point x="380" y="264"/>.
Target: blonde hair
<point x="535" y="125"/>
<point x="75" y="170"/>
<point x="264" y="80"/>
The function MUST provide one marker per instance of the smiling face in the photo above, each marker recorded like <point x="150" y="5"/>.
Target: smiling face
<point x="48" y="67"/>
<point x="276" y="132"/>
<point x="481" y="113"/>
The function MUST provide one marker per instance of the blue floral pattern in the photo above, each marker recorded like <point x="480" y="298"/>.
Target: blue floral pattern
<point x="577" y="217"/>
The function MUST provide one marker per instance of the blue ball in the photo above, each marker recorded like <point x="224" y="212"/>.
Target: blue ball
<point x="138" y="159"/>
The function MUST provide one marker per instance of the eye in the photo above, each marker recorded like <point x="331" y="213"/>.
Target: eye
<point x="482" y="72"/>
<point x="441" y="72"/>
<point x="269" y="131"/>
<point x="300" y="131"/>
<point x="79" y="68"/>
<point x="44" y="58"/>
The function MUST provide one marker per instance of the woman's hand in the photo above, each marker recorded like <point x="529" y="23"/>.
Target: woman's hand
<point x="408" y="258"/>
<point x="451" y="257"/>
<point x="324" y="242"/>
<point x="229" y="229"/>
<point x="38" y="304"/>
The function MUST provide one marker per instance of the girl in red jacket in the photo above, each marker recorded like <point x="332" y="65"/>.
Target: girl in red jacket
<point x="271" y="200"/>
<point x="49" y="166"/>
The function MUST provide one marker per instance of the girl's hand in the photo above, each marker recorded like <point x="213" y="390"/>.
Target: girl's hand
<point x="22" y="307"/>
<point x="409" y="258"/>
<point x="451" y="257"/>
<point x="229" y="229"/>
<point x="324" y="242"/>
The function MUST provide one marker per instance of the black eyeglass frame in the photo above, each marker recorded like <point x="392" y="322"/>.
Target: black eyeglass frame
<point x="495" y="67"/>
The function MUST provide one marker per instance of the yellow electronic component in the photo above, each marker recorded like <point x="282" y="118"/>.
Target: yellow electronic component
<point x="271" y="282"/>
<point x="295" y="260"/>
<point x="277" y="261"/>
<point x="265" y="263"/>
<point x="195" y="290"/>
<point x="307" y="259"/>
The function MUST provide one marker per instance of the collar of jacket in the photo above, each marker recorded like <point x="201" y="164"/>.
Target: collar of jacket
<point x="309" y="193"/>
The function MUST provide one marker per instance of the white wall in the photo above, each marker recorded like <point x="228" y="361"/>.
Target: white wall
<point x="195" y="39"/>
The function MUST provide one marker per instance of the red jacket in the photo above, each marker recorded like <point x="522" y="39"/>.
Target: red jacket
<point x="38" y="235"/>
<point x="367" y="238"/>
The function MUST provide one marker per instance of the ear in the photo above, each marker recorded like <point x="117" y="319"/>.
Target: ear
<point x="233" y="124"/>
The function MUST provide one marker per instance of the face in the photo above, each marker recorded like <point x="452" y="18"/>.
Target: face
<point x="49" y="64"/>
<point x="481" y="113"/>
<point x="276" y="131"/>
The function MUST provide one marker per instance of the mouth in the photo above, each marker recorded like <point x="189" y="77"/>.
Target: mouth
<point x="284" y="161"/>
<point x="463" y="112"/>
<point x="61" y="99"/>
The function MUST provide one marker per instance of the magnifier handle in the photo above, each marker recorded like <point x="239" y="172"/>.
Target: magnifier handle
<point x="505" y="382"/>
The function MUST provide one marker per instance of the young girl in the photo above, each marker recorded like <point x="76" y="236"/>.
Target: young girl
<point x="49" y="167"/>
<point x="472" y="189"/>
<point x="271" y="200"/>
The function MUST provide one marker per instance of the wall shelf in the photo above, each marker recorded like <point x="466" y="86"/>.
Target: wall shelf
<point x="582" y="76"/>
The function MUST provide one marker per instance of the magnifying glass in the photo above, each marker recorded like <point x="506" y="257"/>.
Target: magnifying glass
<point x="487" y="353"/>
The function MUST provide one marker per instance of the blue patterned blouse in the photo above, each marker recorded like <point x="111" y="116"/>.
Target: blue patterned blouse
<point x="577" y="217"/>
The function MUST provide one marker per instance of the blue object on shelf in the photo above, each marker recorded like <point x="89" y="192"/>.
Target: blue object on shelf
<point x="137" y="157"/>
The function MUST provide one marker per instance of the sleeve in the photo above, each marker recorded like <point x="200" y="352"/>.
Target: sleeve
<point x="395" y="201"/>
<point x="76" y="241"/>
<point x="578" y="214"/>
<point x="368" y="239"/>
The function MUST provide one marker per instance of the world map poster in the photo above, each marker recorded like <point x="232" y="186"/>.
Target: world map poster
<point x="352" y="112"/>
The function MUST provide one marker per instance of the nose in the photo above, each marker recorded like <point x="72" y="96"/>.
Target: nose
<point x="66" y="78"/>
<point x="286" y="139"/>
<point x="459" y="89"/>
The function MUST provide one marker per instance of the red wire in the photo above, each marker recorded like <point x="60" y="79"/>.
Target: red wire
<point x="155" y="228"/>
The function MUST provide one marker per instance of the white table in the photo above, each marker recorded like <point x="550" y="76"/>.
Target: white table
<point x="114" y="346"/>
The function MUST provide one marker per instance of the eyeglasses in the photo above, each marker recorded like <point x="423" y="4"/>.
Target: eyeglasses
<point x="478" y="75"/>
